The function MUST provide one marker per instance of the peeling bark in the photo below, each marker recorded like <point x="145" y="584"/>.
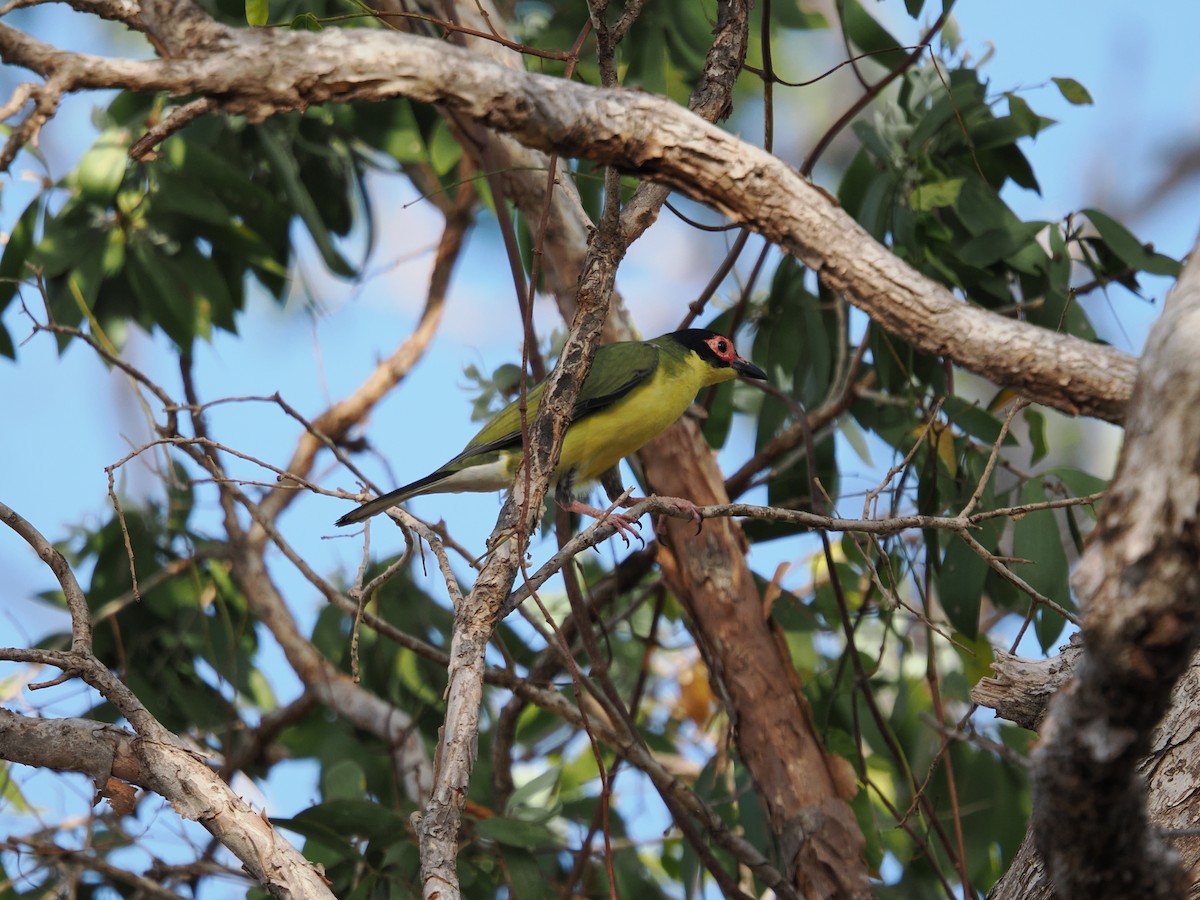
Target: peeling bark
<point x="753" y="675"/>
<point x="1020" y="689"/>
<point x="1140" y="581"/>
<point x="259" y="73"/>
<point x="1171" y="772"/>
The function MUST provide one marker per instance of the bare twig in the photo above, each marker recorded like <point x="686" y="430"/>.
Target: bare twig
<point x="177" y="118"/>
<point x="680" y="149"/>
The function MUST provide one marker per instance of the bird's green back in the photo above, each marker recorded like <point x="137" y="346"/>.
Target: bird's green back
<point x="616" y="370"/>
<point x="633" y="391"/>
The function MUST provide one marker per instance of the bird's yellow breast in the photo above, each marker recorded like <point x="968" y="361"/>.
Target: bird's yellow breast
<point x="598" y="442"/>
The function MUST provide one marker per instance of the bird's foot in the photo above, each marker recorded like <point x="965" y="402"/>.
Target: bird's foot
<point x="626" y="526"/>
<point x="686" y="506"/>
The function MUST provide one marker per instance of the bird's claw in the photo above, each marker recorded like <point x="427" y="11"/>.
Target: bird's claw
<point x="626" y="526"/>
<point x="692" y="510"/>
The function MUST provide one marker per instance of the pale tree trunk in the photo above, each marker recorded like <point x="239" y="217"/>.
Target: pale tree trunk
<point x="1109" y="776"/>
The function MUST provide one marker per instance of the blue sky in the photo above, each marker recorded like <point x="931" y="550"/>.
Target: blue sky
<point x="74" y="417"/>
<point x="67" y="417"/>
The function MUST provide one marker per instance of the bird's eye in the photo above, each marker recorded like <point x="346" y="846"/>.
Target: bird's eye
<point x="722" y="347"/>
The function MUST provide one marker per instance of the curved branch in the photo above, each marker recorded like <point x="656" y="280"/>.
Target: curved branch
<point x="335" y="423"/>
<point x="77" y="605"/>
<point x="260" y="73"/>
<point x="196" y="792"/>
<point x="154" y="757"/>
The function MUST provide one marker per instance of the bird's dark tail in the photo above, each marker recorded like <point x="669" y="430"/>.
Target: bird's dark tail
<point x="371" y="507"/>
<point x="391" y="498"/>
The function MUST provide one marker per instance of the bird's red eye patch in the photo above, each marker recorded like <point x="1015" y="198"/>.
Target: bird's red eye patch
<point x="722" y="347"/>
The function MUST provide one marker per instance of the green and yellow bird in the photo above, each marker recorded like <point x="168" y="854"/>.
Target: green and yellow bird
<point x="632" y="393"/>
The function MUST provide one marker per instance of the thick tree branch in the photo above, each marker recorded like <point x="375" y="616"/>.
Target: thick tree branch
<point x="103" y="752"/>
<point x="1020" y="689"/>
<point x="1169" y="770"/>
<point x="476" y="616"/>
<point x="260" y="73"/>
<point x="1141" y="584"/>
<point x="596" y="260"/>
<point x="155" y="756"/>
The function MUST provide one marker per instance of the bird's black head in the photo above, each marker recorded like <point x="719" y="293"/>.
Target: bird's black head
<point x="717" y="350"/>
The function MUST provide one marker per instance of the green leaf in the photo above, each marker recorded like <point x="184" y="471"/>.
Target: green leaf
<point x="408" y="671"/>
<point x="397" y="132"/>
<point x="306" y="22"/>
<point x="856" y="182"/>
<point x="537" y="795"/>
<point x="86" y="278"/>
<point x="102" y="168"/>
<point x="1073" y="92"/>
<point x="287" y="171"/>
<point x="857" y="439"/>
<point x="1022" y="113"/>
<point x="1036" y="422"/>
<point x="257" y="13"/>
<point x="209" y="293"/>
<point x="791" y="15"/>
<point x="1037" y="538"/>
<point x="175" y="193"/>
<point x="1080" y="483"/>
<point x="444" y="150"/>
<point x="256" y="208"/>
<point x="525" y="878"/>
<point x="1030" y="259"/>
<point x="516" y="833"/>
<point x="335" y="821"/>
<point x="870" y="36"/>
<point x="941" y="126"/>
<point x="1128" y="248"/>
<point x="960" y="586"/>
<point x="62" y="237"/>
<point x="10" y="792"/>
<point x="20" y="244"/>
<point x="981" y="210"/>
<point x="977" y="422"/>
<point x="938" y="193"/>
<point x="160" y="300"/>
<point x="343" y="780"/>
<point x="997" y="243"/>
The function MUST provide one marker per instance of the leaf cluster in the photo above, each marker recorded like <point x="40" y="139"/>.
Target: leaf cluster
<point x="886" y="634"/>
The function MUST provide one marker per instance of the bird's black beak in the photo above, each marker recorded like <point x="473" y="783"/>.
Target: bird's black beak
<point x="749" y="369"/>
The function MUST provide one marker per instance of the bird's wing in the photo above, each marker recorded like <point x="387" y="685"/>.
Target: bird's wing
<point x="616" y="370"/>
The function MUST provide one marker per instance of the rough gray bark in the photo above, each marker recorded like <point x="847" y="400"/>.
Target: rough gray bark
<point x="1140" y="581"/>
<point x="1171" y="771"/>
<point x="1020" y="689"/>
<point x="259" y="73"/>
